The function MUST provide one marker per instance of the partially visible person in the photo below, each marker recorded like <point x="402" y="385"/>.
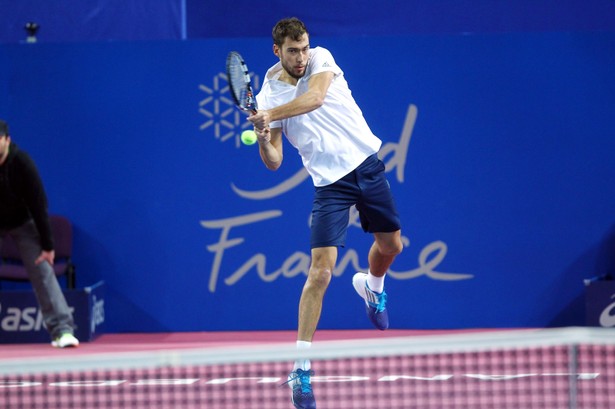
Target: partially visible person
<point x="306" y="98"/>
<point x="24" y="216"/>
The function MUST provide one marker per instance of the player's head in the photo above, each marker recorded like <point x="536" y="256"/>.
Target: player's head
<point x="292" y="27"/>
<point x="291" y="43"/>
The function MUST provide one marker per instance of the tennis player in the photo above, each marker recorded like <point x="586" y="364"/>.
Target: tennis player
<point x="306" y="97"/>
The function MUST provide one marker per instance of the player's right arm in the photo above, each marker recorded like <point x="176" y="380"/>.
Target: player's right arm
<point x="312" y="99"/>
<point x="270" y="147"/>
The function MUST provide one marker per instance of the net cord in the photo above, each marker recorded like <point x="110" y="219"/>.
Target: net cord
<point x="357" y="348"/>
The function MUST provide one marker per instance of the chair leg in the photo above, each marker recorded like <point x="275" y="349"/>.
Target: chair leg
<point x="70" y="277"/>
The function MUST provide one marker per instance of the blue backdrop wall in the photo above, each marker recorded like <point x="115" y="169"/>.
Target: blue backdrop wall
<point x="499" y="149"/>
<point x="104" y="20"/>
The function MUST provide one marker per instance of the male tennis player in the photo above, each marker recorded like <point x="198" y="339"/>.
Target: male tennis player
<point x="305" y="97"/>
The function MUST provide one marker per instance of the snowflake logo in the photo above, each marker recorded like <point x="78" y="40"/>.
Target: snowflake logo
<point x="219" y="111"/>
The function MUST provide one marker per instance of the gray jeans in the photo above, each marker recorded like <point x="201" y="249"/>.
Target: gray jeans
<point x="57" y="316"/>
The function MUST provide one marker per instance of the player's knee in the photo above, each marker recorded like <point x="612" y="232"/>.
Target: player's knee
<point x="320" y="276"/>
<point x="392" y="248"/>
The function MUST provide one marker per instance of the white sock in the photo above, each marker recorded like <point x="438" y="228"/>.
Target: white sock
<point x="304" y="364"/>
<point x="374" y="283"/>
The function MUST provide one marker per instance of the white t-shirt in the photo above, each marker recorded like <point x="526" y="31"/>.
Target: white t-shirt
<point x="333" y="139"/>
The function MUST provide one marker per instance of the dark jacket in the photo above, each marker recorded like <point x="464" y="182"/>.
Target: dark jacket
<point x="22" y="195"/>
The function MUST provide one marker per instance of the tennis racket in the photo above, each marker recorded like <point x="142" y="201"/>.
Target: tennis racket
<point x="239" y="82"/>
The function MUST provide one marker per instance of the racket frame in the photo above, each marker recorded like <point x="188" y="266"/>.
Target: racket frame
<point x="250" y="104"/>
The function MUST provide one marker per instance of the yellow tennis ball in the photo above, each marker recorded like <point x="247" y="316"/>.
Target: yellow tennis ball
<point x="248" y="137"/>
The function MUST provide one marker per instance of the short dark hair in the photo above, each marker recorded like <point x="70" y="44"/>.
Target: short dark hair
<point x="4" y="128"/>
<point x="289" y="27"/>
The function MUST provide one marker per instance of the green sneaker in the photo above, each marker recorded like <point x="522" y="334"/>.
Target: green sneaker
<point x="66" y="340"/>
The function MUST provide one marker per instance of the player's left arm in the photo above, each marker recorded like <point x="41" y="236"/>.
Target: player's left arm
<point x="270" y="147"/>
<point x="312" y="99"/>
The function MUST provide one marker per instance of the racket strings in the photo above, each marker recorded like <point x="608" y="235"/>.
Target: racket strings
<point x="239" y="81"/>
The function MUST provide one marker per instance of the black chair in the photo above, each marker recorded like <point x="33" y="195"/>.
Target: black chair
<point x="12" y="268"/>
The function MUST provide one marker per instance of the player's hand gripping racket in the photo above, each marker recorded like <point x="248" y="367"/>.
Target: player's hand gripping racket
<point x="239" y="82"/>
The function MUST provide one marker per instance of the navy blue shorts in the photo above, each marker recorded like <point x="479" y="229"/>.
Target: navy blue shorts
<point x="368" y="189"/>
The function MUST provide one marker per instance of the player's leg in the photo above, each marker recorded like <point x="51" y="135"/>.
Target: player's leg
<point x="385" y="248"/>
<point x="379" y="216"/>
<point x="330" y="216"/>
<point x="310" y="305"/>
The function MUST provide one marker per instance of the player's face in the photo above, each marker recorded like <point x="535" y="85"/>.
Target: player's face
<point x="294" y="55"/>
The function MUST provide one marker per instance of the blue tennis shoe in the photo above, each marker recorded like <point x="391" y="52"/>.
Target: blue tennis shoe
<point x="303" y="396"/>
<point x="375" y="303"/>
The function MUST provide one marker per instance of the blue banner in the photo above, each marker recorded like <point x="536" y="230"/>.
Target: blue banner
<point x="21" y="320"/>
<point x="499" y="150"/>
<point x="600" y="304"/>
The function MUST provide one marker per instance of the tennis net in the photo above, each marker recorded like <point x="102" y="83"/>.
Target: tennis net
<point x="564" y="368"/>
